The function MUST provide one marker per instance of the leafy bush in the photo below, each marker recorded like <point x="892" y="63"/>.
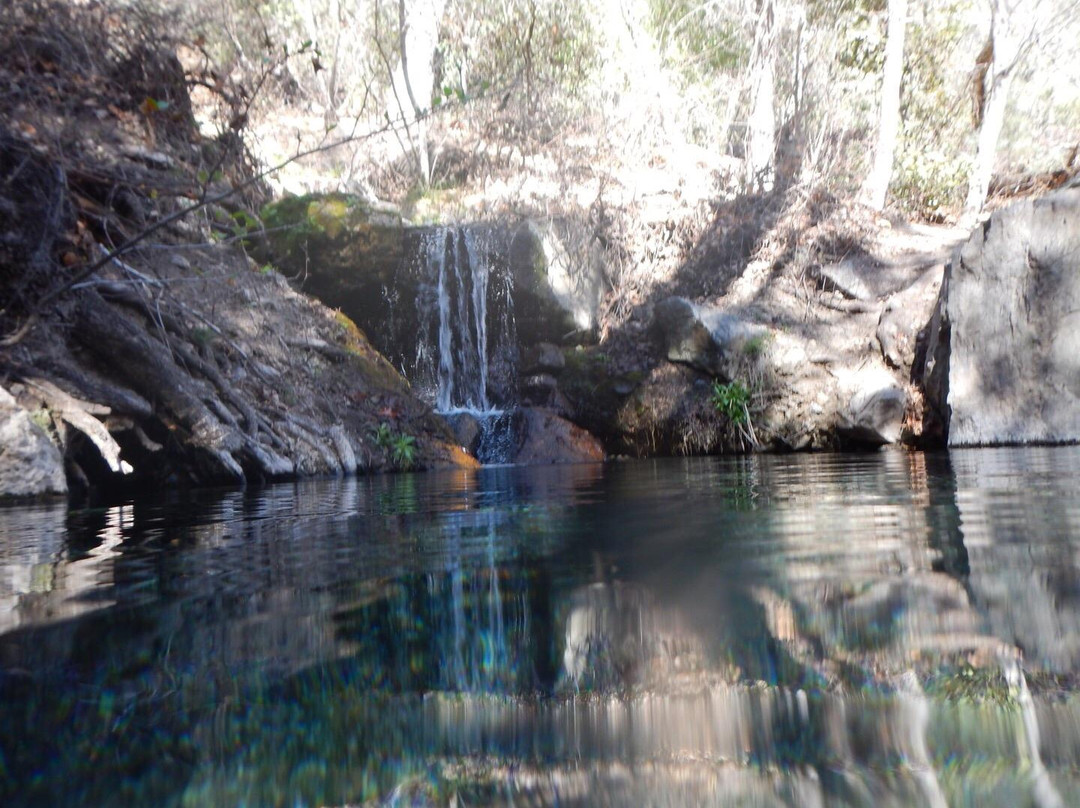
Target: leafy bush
<point x="732" y="400"/>
<point x="403" y="451"/>
<point x="930" y="183"/>
<point x="402" y="447"/>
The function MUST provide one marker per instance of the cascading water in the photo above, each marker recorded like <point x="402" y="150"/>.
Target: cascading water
<point x="467" y="328"/>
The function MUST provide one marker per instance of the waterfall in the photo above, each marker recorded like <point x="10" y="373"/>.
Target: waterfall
<point x="467" y="330"/>
<point x="462" y="273"/>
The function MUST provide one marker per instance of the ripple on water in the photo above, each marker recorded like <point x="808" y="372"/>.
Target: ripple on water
<point x="881" y="629"/>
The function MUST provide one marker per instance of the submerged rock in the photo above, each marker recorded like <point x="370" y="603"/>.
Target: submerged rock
<point x="1003" y="354"/>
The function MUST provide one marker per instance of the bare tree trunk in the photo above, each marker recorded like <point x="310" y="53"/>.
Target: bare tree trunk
<point x="310" y="18"/>
<point x="418" y="38"/>
<point x="1006" y="41"/>
<point x="761" y="124"/>
<point x="876" y="186"/>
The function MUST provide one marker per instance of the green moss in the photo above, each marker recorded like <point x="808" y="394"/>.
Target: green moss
<point x="43" y="419"/>
<point x="376" y="368"/>
<point x="352" y="338"/>
<point x="328" y="215"/>
<point x="332" y="235"/>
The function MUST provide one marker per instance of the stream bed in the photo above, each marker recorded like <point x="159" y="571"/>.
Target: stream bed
<point x="884" y="629"/>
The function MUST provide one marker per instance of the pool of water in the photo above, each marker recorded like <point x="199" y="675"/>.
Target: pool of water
<point x="834" y="630"/>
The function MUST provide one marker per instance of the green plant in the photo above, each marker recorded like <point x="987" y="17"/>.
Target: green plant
<point x="756" y="345"/>
<point x="383" y="435"/>
<point x="202" y="336"/>
<point x="402" y="447"/>
<point x="403" y="451"/>
<point x="732" y="400"/>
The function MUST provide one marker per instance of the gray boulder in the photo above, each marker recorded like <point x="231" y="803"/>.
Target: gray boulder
<point x="543" y="358"/>
<point x="903" y="317"/>
<point x="30" y="465"/>
<point x="546" y="438"/>
<point x="871" y="408"/>
<point x="706" y="339"/>
<point x="1003" y="355"/>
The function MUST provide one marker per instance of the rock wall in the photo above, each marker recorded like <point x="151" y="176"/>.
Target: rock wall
<point x="1003" y="354"/>
<point x="377" y="269"/>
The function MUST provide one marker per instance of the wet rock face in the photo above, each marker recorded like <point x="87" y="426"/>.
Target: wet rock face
<point x="1003" y="356"/>
<point x="30" y="465"/>
<point x="389" y="278"/>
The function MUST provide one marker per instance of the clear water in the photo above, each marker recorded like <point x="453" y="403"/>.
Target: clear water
<point x="880" y="630"/>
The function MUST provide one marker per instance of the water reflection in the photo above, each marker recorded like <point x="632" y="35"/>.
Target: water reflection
<point x="888" y="629"/>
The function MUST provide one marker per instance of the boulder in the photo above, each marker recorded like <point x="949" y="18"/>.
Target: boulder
<point x="844" y="278"/>
<point x="466" y="429"/>
<point x="540" y="389"/>
<point x="546" y="438"/>
<point x="30" y="465"/>
<point x="904" y="316"/>
<point x="543" y="267"/>
<point x="705" y="338"/>
<point x="872" y="407"/>
<point x="1003" y="353"/>
<point x="542" y="357"/>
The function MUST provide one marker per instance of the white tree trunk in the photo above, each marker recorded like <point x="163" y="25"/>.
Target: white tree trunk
<point x="876" y="186"/>
<point x="761" y="125"/>
<point x="1008" y="40"/>
<point x="414" y="78"/>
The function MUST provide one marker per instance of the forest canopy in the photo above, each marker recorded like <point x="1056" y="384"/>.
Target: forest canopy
<point x="794" y="87"/>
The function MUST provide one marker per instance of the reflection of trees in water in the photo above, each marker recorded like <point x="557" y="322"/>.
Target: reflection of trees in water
<point x="325" y="647"/>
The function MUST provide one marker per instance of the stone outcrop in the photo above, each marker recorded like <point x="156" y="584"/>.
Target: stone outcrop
<point x="30" y="465"/>
<point x="903" y="319"/>
<point x="798" y="400"/>
<point x="363" y="258"/>
<point x="541" y="263"/>
<point x="1003" y="351"/>
<point x="872" y="407"/>
<point x="707" y="339"/>
<point x="546" y="438"/>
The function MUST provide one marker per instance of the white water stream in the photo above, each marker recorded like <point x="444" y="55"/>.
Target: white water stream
<point x="459" y="264"/>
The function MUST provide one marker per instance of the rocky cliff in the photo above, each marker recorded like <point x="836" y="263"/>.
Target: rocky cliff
<point x="1003" y="359"/>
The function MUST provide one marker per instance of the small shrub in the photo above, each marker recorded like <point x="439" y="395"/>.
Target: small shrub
<point x="403" y="451"/>
<point x="402" y="447"/>
<point x="383" y="435"/>
<point x="755" y="346"/>
<point x="202" y="336"/>
<point x="732" y="400"/>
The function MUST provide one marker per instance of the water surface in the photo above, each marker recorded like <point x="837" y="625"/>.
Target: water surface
<point x="882" y="629"/>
